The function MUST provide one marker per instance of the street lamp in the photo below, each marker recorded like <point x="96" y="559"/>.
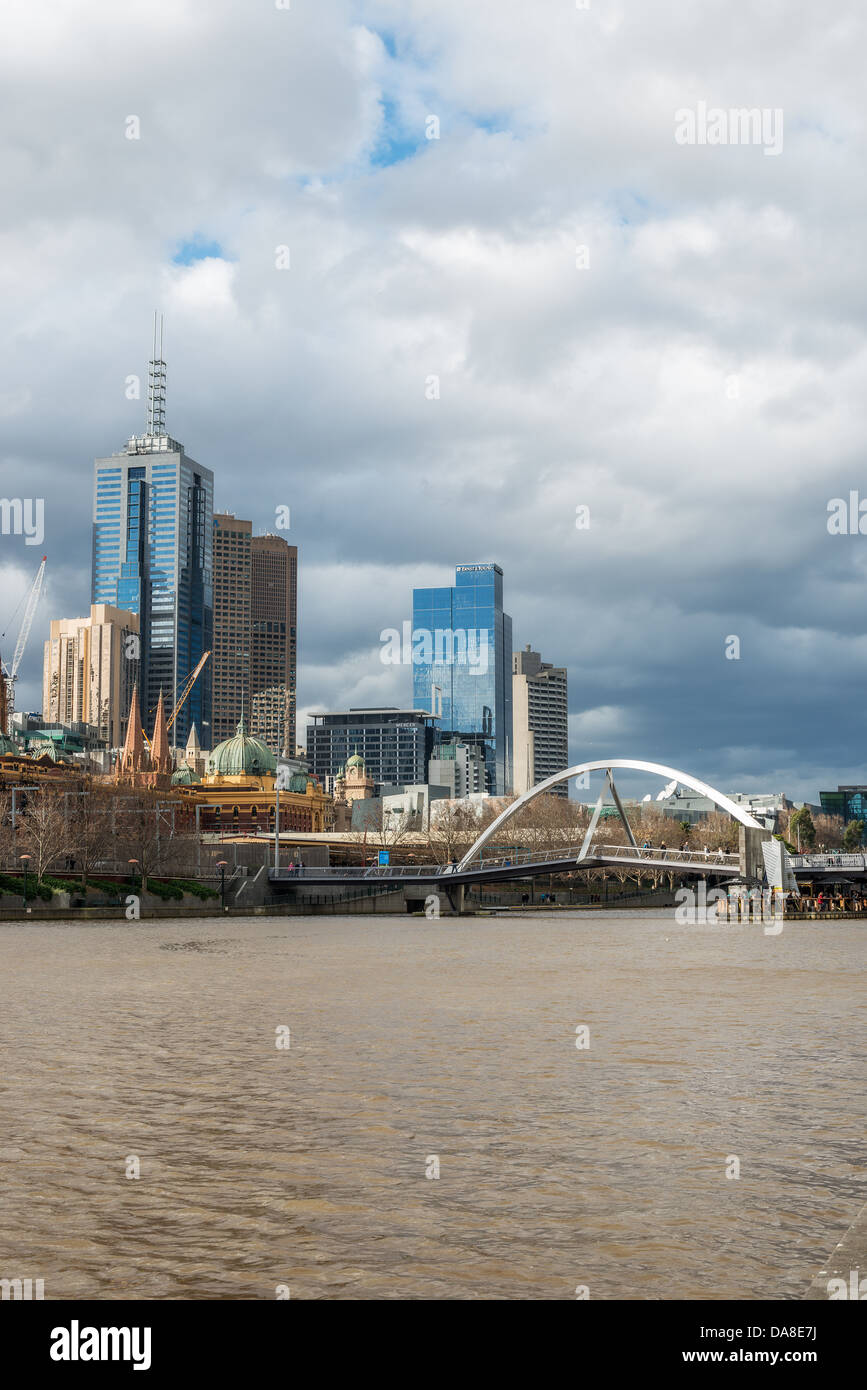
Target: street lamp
<point x="221" y="865"/>
<point x="25" y="859"/>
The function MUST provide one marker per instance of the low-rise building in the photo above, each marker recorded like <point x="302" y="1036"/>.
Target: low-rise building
<point x="684" y="804"/>
<point x="237" y="792"/>
<point x="395" y="744"/>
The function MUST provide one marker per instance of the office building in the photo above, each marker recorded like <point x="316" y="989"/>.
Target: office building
<point x="153" y="556"/>
<point x="460" y="767"/>
<point x="90" y="666"/>
<point x="540" y="720"/>
<point x="395" y="744"/>
<point x="255" y="633"/>
<point x="272" y="718"/>
<point x="274" y="640"/>
<point x="848" y="801"/>
<point x="462" y="665"/>
<point x="232" y="593"/>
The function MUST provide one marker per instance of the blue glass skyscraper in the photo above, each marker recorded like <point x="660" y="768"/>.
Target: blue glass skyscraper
<point x="153" y="519"/>
<point x="462" y="665"/>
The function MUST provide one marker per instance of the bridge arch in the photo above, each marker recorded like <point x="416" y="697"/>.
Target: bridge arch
<point x="606" y="765"/>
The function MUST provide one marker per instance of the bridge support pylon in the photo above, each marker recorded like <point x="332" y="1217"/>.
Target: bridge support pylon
<point x="456" y="898"/>
<point x="751" y="860"/>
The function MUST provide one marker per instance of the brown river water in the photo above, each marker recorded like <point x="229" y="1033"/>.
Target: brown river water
<point x="416" y="1043"/>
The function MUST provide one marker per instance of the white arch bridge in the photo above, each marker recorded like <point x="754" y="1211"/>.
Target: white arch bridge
<point x="591" y="853"/>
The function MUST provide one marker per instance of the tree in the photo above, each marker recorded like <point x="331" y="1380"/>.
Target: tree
<point x="829" y="830"/>
<point x="143" y="831"/>
<point x="853" y="835"/>
<point x="44" y="832"/>
<point x="802" y="831"/>
<point x="7" y="835"/>
<point x="90" y="825"/>
<point x="453" y="829"/>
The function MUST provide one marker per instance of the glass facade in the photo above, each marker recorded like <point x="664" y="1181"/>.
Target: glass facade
<point x="850" y="802"/>
<point x="462" y="665"/>
<point x="153" y="555"/>
<point x="396" y="744"/>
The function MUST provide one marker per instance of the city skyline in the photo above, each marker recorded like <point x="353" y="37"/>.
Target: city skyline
<point x="544" y="302"/>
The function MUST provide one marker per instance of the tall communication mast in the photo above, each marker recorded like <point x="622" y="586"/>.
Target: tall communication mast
<point x="156" y="421"/>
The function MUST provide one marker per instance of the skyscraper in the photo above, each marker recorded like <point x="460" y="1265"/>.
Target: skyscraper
<point x="153" y="555"/>
<point x="231" y="660"/>
<point x="255" y="633"/>
<point x="540" y="710"/>
<point x="462" y="665"/>
<point x="274" y="641"/>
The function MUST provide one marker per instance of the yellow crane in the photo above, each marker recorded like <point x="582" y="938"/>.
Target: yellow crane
<point x="191" y="680"/>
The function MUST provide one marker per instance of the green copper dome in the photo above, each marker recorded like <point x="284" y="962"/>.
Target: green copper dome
<point x="42" y="746"/>
<point x="242" y="755"/>
<point x="355" y="761"/>
<point x="7" y="746"/>
<point x="185" y="776"/>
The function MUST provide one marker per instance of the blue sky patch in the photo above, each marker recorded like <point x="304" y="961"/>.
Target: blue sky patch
<point x="198" y="248"/>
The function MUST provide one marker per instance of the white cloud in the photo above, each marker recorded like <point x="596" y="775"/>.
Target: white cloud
<point x="609" y="386"/>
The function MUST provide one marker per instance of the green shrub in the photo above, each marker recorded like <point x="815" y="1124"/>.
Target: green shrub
<point x="163" y="890"/>
<point x="10" y="884"/>
<point x="200" y="890"/>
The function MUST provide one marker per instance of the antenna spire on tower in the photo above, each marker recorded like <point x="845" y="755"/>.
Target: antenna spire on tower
<point x="156" y="421"/>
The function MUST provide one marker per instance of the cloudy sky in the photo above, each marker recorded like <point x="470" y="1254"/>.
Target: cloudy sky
<point x="694" y="375"/>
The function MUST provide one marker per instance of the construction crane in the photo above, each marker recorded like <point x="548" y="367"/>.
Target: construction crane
<point x="191" y="680"/>
<point x="187" y="688"/>
<point x="10" y="673"/>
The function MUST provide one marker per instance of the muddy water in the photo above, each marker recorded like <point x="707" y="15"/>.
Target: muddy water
<point x="421" y="1045"/>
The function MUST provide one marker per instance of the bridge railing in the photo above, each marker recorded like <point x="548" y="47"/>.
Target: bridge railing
<point x="834" y="859"/>
<point x="358" y="871"/>
<point x="522" y="858"/>
<point x="658" y="854"/>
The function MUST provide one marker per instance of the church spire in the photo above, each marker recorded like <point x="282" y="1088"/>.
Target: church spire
<point x="132" y="753"/>
<point x="161" y="758"/>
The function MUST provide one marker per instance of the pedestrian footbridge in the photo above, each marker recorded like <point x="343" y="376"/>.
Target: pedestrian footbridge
<point x="481" y="866"/>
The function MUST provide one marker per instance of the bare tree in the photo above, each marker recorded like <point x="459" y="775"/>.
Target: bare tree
<point x="829" y="830"/>
<point x="137" y="831"/>
<point x="44" y="832"/>
<point x="90" y="830"/>
<point x="7" y="835"/>
<point x="453" y="831"/>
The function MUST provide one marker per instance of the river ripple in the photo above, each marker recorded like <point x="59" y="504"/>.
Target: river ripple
<point x="306" y="1167"/>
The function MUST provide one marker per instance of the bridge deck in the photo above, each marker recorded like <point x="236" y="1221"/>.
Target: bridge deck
<point x="523" y="864"/>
